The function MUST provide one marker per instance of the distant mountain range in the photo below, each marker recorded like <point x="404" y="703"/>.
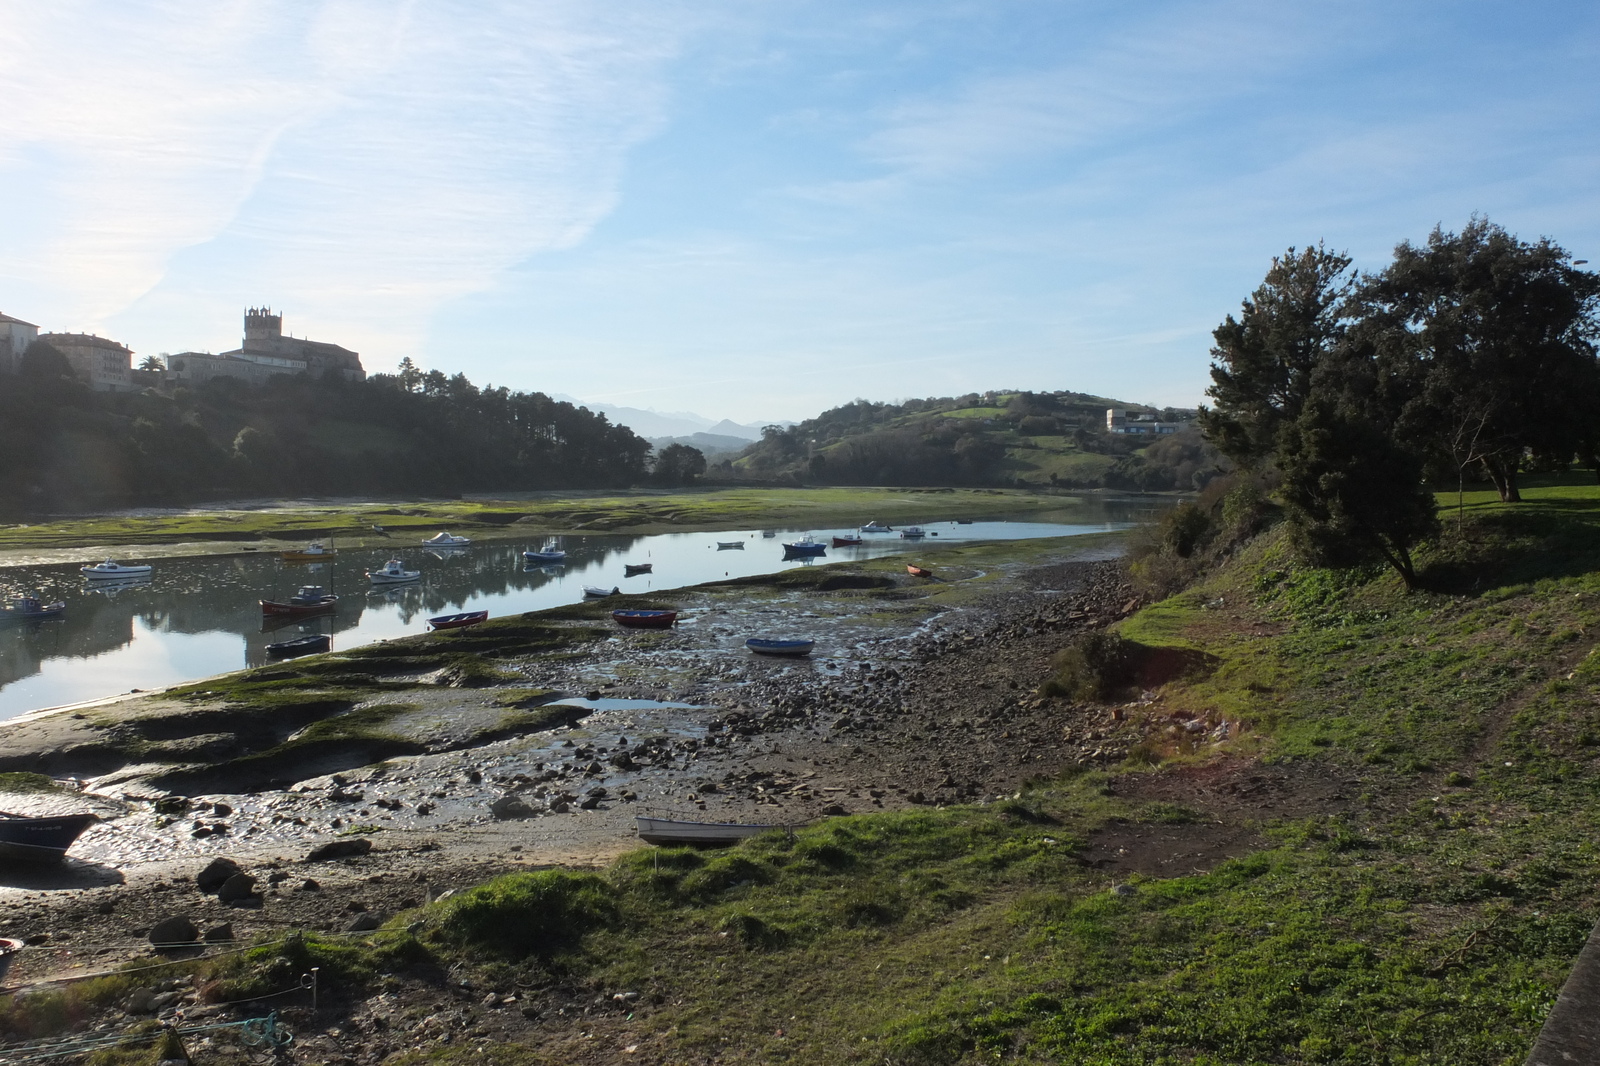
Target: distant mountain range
<point x="675" y="424"/>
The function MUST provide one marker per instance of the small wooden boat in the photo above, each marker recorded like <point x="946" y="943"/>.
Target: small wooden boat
<point x="307" y="645"/>
<point x="873" y="527"/>
<point x="8" y="951"/>
<point x="544" y="558"/>
<point x="459" y="621"/>
<point x="918" y="571"/>
<point x="595" y="592"/>
<point x="913" y="533"/>
<point x="110" y="571"/>
<point x="645" y="619"/>
<point x="846" y="542"/>
<point x="40" y="839"/>
<point x="33" y="609"/>
<point x="446" y="540"/>
<point x="768" y="534"/>
<point x="678" y="831"/>
<point x="632" y="569"/>
<point x="393" y="572"/>
<point x="805" y="546"/>
<point x="764" y="646"/>
<point x="314" y="552"/>
<point x="730" y="545"/>
<point x="311" y="599"/>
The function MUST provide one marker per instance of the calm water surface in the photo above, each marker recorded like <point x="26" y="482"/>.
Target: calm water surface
<point x="201" y="616"/>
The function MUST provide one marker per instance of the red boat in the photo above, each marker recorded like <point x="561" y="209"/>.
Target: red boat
<point x="645" y="619"/>
<point x="846" y="542"/>
<point x="459" y="621"/>
<point x="917" y="571"/>
<point x="311" y="599"/>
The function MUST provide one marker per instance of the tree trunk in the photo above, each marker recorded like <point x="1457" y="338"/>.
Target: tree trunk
<point x="1504" y="476"/>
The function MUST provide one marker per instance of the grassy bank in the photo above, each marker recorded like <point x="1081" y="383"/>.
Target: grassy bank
<point x="352" y="522"/>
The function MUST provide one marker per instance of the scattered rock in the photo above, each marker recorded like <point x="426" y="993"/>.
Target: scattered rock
<point x="308" y="885"/>
<point x="364" y="922"/>
<point x="833" y="810"/>
<point x="219" y="933"/>
<point x="512" y="806"/>
<point x="339" y="849"/>
<point x="240" y="886"/>
<point x="216" y="874"/>
<point x="177" y="930"/>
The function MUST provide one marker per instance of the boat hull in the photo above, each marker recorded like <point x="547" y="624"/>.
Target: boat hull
<point x="805" y="549"/>
<point x="780" y="647"/>
<point x="290" y="610"/>
<point x="645" y="619"/>
<point x="459" y="621"/>
<point x="288" y="649"/>
<point x="599" y="593"/>
<point x="846" y="542"/>
<point x="41" y="839"/>
<point x="730" y="545"/>
<point x="121" y="573"/>
<point x="641" y="568"/>
<point x="544" y="558"/>
<point x="676" y="831"/>
<point x="918" y="571"/>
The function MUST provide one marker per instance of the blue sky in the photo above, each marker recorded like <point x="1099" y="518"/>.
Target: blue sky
<point x="757" y="210"/>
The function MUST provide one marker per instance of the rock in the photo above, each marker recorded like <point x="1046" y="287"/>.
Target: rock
<point x="140" y="1001"/>
<point x="339" y="849"/>
<point x="173" y="931"/>
<point x="559" y="807"/>
<point x="216" y="874"/>
<point x="221" y="810"/>
<point x="512" y="806"/>
<point x="220" y="932"/>
<point x="308" y="885"/>
<point x="365" y="922"/>
<point x="239" y="886"/>
<point x="171" y="805"/>
<point x="589" y="803"/>
<point x="277" y="877"/>
<point x="833" y="810"/>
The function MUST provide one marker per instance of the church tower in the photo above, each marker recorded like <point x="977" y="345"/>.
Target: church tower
<point x="262" y="329"/>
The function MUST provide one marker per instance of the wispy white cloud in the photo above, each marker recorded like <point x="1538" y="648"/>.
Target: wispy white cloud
<point x="358" y="161"/>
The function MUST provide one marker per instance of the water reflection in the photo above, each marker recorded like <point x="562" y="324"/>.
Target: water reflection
<point x="202" y="616"/>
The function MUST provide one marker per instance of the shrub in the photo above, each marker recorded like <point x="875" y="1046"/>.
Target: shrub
<point x="1093" y="668"/>
<point x="539" y="914"/>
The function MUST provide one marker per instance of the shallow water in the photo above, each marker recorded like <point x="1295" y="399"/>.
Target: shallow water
<point x="196" y="617"/>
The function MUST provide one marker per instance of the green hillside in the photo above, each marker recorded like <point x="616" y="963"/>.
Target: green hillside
<point x="997" y="438"/>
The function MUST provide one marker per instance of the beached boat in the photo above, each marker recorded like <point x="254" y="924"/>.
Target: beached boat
<point x="392" y="572"/>
<point x="679" y="831"/>
<point x="645" y="619"/>
<point x="765" y="646"/>
<point x="306" y="645"/>
<point x="632" y="569"/>
<point x="918" y="571"/>
<point x="596" y="592"/>
<point x="311" y="599"/>
<point x="446" y="540"/>
<point x="40" y="839"/>
<point x="459" y="621"/>
<point x="846" y="542"/>
<point x="32" y="609"/>
<point x="805" y="546"/>
<point x="730" y="545"/>
<point x="913" y="533"/>
<point x="110" y="571"/>
<point x="544" y="558"/>
<point x="314" y="552"/>
<point x="873" y="527"/>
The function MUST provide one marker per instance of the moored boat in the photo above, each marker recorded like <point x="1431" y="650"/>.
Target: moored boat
<point x="632" y="569"/>
<point x="730" y="545"/>
<point x="645" y="619"/>
<point x="766" y="646"/>
<point x="306" y="645"/>
<point x="109" y="571"/>
<point x="680" y="831"/>
<point x="459" y="621"/>
<point x="40" y="839"/>
<point x="446" y="540"/>
<point x="316" y="551"/>
<point x="913" y="533"/>
<point x="846" y="542"/>
<point x="33" y="609"/>
<point x="392" y="572"/>
<point x="806" y="545"/>
<point x="918" y="571"/>
<point x="311" y="599"/>
<point x="596" y="592"/>
<point x="874" y="527"/>
<point x="544" y="558"/>
<point x="963" y="521"/>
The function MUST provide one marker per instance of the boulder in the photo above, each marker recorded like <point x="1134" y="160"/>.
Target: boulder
<point x="239" y="886"/>
<point x="175" y="930"/>
<point x="512" y="806"/>
<point x="216" y="874"/>
<point x="364" y="923"/>
<point x="218" y="933"/>
<point x="339" y="849"/>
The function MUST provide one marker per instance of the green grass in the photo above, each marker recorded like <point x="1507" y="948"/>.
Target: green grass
<point x="25" y="782"/>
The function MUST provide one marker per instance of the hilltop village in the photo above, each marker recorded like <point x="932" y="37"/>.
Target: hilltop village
<point x="106" y="365"/>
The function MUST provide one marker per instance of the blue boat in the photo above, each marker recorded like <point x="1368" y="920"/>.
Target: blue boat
<point x="764" y="646"/>
<point x="33" y="609"/>
<point x="287" y="649"/>
<point x="544" y="558"/>
<point x="43" y="839"/>
<point x="806" y="546"/>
